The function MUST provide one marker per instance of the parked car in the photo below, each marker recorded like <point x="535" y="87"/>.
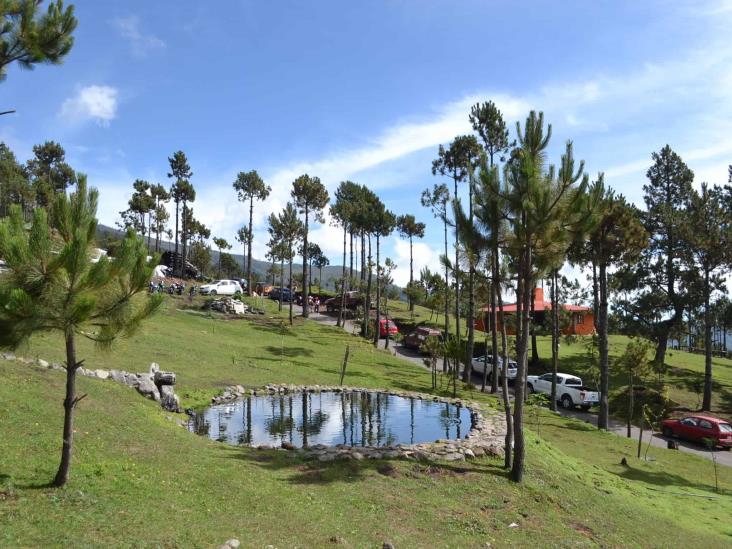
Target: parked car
<point x="262" y="288"/>
<point x="353" y="300"/>
<point x="570" y="390"/>
<point x="385" y="324"/>
<point x="221" y="287"/>
<point x="698" y="428"/>
<point x="274" y="293"/>
<point x="479" y="362"/>
<point x="419" y="336"/>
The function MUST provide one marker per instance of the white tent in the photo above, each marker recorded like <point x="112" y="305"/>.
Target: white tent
<point x="161" y="271"/>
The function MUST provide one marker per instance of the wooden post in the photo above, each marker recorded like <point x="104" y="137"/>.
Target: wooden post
<point x="345" y="363"/>
<point x="640" y="435"/>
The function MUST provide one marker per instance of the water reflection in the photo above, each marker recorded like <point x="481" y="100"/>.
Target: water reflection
<point x="353" y="419"/>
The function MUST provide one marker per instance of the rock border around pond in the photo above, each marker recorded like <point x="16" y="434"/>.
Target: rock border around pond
<point x="486" y="436"/>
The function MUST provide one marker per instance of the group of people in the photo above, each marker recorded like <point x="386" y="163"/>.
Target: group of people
<point x="313" y="302"/>
<point x="174" y="288"/>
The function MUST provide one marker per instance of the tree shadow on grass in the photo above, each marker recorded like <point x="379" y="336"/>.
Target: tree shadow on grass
<point x="288" y="351"/>
<point x="571" y="425"/>
<point x="662" y="478"/>
<point x="313" y="472"/>
<point x="273" y="328"/>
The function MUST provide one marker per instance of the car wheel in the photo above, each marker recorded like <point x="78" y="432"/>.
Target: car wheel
<point x="490" y="377"/>
<point x="567" y="403"/>
<point x="530" y="387"/>
<point x="668" y="432"/>
<point x="212" y="292"/>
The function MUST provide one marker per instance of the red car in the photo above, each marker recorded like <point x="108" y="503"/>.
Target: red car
<point x="698" y="428"/>
<point x="385" y="324"/>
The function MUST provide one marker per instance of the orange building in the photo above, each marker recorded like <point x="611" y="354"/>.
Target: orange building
<point x="582" y="319"/>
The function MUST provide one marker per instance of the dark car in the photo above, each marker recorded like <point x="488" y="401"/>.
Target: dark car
<point x="419" y="336"/>
<point x="274" y="293"/>
<point x="698" y="429"/>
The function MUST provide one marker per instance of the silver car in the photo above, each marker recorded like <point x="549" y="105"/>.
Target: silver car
<point x="479" y="363"/>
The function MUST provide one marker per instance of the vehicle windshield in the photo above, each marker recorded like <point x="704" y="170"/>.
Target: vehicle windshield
<point x="573" y="381"/>
<point x="725" y="428"/>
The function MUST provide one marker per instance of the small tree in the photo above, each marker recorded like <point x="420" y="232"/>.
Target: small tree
<point x="53" y="286"/>
<point x="410" y="228"/>
<point x="634" y="362"/>
<point x="221" y="244"/>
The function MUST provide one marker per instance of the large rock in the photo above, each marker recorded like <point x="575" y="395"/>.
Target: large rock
<point x="117" y="376"/>
<point x="102" y="374"/>
<point x="168" y="399"/>
<point x="146" y="386"/>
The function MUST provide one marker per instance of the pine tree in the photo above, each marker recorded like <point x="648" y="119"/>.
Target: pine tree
<point x="410" y="228"/>
<point x="53" y="286"/>
<point x="708" y="231"/>
<point x="456" y="162"/>
<point x="656" y="279"/>
<point x="221" y="244"/>
<point x="49" y="173"/>
<point x="180" y="171"/>
<point x="286" y="230"/>
<point x="310" y="197"/>
<point x="29" y="38"/>
<point x="249" y="186"/>
<point x="160" y="213"/>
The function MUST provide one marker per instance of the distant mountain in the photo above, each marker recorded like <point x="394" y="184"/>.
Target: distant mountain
<point x="259" y="267"/>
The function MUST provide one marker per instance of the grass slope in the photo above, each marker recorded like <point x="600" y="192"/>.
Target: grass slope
<point x="140" y="480"/>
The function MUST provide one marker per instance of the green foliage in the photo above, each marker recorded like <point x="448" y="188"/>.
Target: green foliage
<point x="29" y="38"/>
<point x="487" y="121"/>
<point x="53" y="283"/>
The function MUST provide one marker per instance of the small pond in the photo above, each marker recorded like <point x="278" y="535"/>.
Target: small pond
<point x="331" y="418"/>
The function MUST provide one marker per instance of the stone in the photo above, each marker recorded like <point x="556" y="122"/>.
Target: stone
<point x="8" y="356"/>
<point x="288" y="445"/>
<point x="42" y="363"/>
<point x="233" y="543"/>
<point x="387" y="545"/>
<point x="164" y="378"/>
<point x="147" y="388"/>
<point x="154" y="367"/>
<point x="168" y="399"/>
<point x="117" y="376"/>
<point x="102" y="374"/>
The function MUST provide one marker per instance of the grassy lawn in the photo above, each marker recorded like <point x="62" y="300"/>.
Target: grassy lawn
<point x="140" y="480"/>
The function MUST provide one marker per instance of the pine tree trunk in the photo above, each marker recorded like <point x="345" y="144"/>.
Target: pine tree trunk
<point x="508" y="441"/>
<point x="363" y="256"/>
<point x="526" y="283"/>
<point x="184" y="243"/>
<point x="377" y="326"/>
<point x="62" y="475"/>
<point x="534" y="350"/>
<point x="631" y="398"/>
<point x="350" y="264"/>
<point x="249" y="245"/>
<point x="411" y="277"/>
<point x="291" y="296"/>
<point x="282" y="282"/>
<point x="555" y="339"/>
<point x="604" y="414"/>
<point x="495" y="293"/>
<point x="456" y="273"/>
<point x="176" y="235"/>
<point x="340" y="322"/>
<point x="447" y="293"/>
<point x="306" y="285"/>
<point x="595" y="297"/>
<point x="367" y="300"/>
<point x="467" y="368"/>
<point x="707" y="401"/>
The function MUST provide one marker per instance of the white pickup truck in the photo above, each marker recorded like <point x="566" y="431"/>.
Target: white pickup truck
<point x="570" y="391"/>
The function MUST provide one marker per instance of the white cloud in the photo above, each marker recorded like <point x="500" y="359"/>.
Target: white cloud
<point x="98" y="103"/>
<point x="424" y="256"/>
<point x="141" y="43"/>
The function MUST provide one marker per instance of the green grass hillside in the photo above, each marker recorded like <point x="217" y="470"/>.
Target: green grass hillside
<point x="140" y="480"/>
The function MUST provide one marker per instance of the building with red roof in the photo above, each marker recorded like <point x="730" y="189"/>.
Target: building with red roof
<point x="581" y="318"/>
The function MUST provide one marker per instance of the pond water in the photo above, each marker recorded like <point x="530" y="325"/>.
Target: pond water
<point x="329" y="418"/>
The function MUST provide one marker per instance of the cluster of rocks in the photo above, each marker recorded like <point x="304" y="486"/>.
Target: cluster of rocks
<point x="232" y="543"/>
<point x="154" y="384"/>
<point x="486" y="436"/>
<point x="228" y="305"/>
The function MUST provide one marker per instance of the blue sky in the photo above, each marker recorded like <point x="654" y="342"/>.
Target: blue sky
<point x="366" y="91"/>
